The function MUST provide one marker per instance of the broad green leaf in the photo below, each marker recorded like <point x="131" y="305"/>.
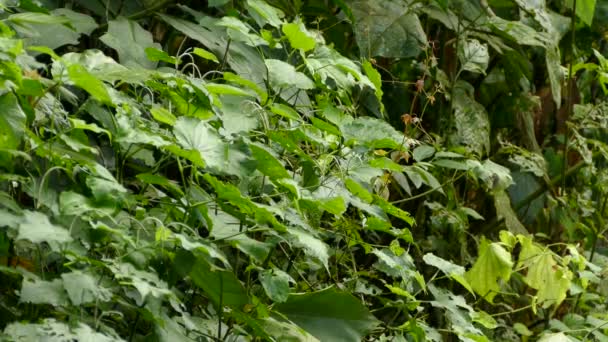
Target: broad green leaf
<point x="473" y="56"/>
<point x="12" y="122"/>
<point x="387" y="29"/>
<point x="284" y="75"/>
<point x="51" y="330"/>
<point x="312" y="246"/>
<point x="82" y="288"/>
<point x="43" y="292"/>
<point x="85" y="80"/>
<point x="518" y="32"/>
<point x="264" y="14"/>
<point x="221" y="286"/>
<point x="495" y="176"/>
<point x="484" y="319"/>
<point x="276" y="284"/>
<point x="393" y="210"/>
<point x="130" y="41"/>
<point x="194" y="134"/>
<point x="74" y="204"/>
<point x="452" y="270"/>
<point x="267" y="163"/>
<point x="585" y="10"/>
<point x="37" y="228"/>
<point x="373" y="133"/>
<point x="346" y="319"/>
<point x="423" y="152"/>
<point x="205" y="54"/>
<point x="551" y="280"/>
<point x="230" y="193"/>
<point x="492" y="264"/>
<point x="556" y="75"/>
<point x="298" y="37"/>
<point x="471" y="122"/>
<point x="358" y="190"/>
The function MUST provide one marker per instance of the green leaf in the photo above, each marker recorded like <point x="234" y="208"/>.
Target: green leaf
<point x="51" y="330"/>
<point x="220" y="286"/>
<point x="387" y="29"/>
<point x="373" y="133"/>
<point x="284" y="75"/>
<point x="263" y="13"/>
<point x="205" y="54"/>
<point x="472" y="125"/>
<point x="346" y="319"/>
<point x="82" y="288"/>
<point x="43" y="292"/>
<point x="493" y="263"/>
<point x="162" y="115"/>
<point x="12" y="122"/>
<point x="452" y="270"/>
<point x="285" y="111"/>
<point x="157" y="55"/>
<point x="194" y="134"/>
<point x="37" y="228"/>
<point x="83" y="79"/>
<point x="298" y="37"/>
<point x="473" y="56"/>
<point x="312" y="246"/>
<point x="374" y="77"/>
<point x="276" y="284"/>
<point x="585" y="10"/>
<point x="358" y="190"/>
<point x="423" y="152"/>
<point x="550" y="279"/>
<point x="130" y="41"/>
<point x="37" y="18"/>
<point x="268" y="164"/>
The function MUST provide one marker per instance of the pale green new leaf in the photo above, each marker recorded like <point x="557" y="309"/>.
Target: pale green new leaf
<point x="493" y="263"/>
<point x="194" y="134"/>
<point x="298" y="37"/>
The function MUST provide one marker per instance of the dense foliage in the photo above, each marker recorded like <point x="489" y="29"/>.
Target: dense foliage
<point x="332" y="170"/>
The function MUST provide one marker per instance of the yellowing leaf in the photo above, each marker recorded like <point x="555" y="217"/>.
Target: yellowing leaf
<point x="493" y="263"/>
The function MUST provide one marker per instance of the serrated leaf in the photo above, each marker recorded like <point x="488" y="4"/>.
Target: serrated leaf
<point x="345" y="320"/>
